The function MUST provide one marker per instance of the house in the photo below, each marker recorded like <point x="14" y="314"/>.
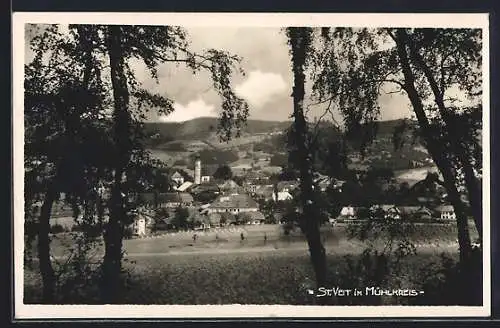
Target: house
<point x="177" y="178"/>
<point x="174" y="199"/>
<point x="446" y="212"/>
<point x="250" y="187"/>
<point x="184" y="186"/>
<point x="139" y="225"/>
<point x="347" y="212"/>
<point x="251" y="218"/>
<point x="233" y="204"/>
<point x="230" y="187"/>
<point x="264" y="191"/>
<point x="287" y="186"/>
<point x="282" y="196"/>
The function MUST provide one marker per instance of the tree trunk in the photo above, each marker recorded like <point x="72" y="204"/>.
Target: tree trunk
<point x="46" y="269"/>
<point x="475" y="195"/>
<point x="113" y="235"/>
<point x="471" y="182"/>
<point x="309" y="218"/>
<point x="435" y="148"/>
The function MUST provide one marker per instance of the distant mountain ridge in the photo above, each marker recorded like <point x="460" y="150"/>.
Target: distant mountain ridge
<point x="204" y="128"/>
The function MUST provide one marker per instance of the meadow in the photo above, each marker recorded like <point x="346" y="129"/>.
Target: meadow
<point x="220" y="268"/>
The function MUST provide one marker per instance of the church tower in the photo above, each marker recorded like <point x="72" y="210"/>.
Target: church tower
<point x="197" y="171"/>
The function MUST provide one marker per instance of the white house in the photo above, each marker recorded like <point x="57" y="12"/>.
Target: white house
<point x="282" y="196"/>
<point x="446" y="212"/>
<point x="139" y="226"/>
<point x="347" y="211"/>
<point x="177" y="177"/>
<point x="185" y="186"/>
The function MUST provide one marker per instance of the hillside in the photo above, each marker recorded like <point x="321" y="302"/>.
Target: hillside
<point x="178" y="142"/>
<point x="204" y="128"/>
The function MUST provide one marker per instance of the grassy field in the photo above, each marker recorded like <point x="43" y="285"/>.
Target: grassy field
<point x="263" y="237"/>
<point x="219" y="268"/>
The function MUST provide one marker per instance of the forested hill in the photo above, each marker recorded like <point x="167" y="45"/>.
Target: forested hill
<point x="204" y="128"/>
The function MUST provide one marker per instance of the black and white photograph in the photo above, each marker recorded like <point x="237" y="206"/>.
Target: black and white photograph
<point x="234" y="165"/>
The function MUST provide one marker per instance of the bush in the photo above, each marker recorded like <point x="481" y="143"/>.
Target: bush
<point x="448" y="282"/>
<point x="57" y="228"/>
<point x="128" y="233"/>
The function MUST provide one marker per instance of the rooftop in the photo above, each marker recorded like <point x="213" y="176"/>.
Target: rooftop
<point x="235" y="201"/>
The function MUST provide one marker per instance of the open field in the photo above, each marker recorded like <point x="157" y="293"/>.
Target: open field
<point x="267" y="237"/>
<point x="244" y="278"/>
<point x="220" y="268"/>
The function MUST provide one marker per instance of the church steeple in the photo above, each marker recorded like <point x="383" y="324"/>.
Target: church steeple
<point x="197" y="170"/>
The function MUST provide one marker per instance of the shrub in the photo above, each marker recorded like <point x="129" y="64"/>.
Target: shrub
<point x="449" y="282"/>
<point x="57" y="228"/>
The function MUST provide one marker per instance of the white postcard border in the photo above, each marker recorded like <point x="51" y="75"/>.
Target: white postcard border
<point x="23" y="311"/>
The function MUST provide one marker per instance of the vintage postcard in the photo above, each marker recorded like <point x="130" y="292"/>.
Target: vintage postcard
<point x="199" y="165"/>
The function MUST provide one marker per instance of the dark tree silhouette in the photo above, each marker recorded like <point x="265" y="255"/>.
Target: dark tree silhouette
<point x="223" y="172"/>
<point x="300" y="42"/>
<point x="423" y="64"/>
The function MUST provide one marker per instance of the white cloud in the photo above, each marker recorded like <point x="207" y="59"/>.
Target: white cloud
<point x="260" y="87"/>
<point x="193" y="109"/>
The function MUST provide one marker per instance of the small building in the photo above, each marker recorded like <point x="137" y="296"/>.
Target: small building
<point x="251" y="218"/>
<point x="287" y="186"/>
<point x="446" y="212"/>
<point x="282" y="196"/>
<point x="264" y="191"/>
<point x="177" y="178"/>
<point x="233" y="204"/>
<point x="139" y="226"/>
<point x="229" y="186"/>
<point x="348" y="211"/>
<point x="174" y="199"/>
<point x="184" y="186"/>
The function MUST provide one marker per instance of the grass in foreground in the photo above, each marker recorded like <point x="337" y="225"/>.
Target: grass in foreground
<point x="255" y="278"/>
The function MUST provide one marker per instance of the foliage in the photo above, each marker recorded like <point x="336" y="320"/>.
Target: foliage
<point x="215" y="156"/>
<point x="443" y="282"/>
<point x="283" y="279"/>
<point x="205" y="196"/>
<point x="57" y="228"/>
<point x="279" y="160"/>
<point x="180" y="219"/>
<point x="426" y="65"/>
<point x="223" y="172"/>
<point x="68" y="120"/>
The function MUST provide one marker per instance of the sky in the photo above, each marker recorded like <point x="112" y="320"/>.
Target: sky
<point x="266" y="86"/>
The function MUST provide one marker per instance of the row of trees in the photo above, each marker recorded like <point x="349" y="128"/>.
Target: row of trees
<point x="349" y="68"/>
<point x="84" y="108"/>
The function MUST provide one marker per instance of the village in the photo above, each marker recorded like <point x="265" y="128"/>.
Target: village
<point x="240" y="204"/>
<point x="205" y="201"/>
